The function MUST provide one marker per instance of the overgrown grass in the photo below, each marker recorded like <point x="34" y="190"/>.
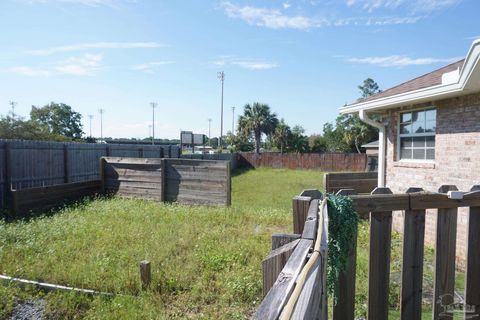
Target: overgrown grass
<point x="205" y="261"/>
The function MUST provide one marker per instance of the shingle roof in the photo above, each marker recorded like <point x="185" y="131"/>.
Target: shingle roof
<point x="427" y="80"/>
<point x="373" y="144"/>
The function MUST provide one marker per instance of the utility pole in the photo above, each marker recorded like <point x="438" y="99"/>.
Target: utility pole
<point x="209" y="125"/>
<point x="154" y="105"/>
<point x="233" y="120"/>
<point x="101" y="111"/>
<point x="12" y="105"/>
<point x="221" y="76"/>
<point x="90" y="117"/>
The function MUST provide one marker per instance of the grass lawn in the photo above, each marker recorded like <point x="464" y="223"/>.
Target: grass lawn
<point x="205" y="261"/>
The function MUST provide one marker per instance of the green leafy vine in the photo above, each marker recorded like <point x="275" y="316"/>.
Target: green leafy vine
<point x="342" y="228"/>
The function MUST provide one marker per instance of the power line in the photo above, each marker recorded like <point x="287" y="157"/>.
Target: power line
<point x="153" y="105"/>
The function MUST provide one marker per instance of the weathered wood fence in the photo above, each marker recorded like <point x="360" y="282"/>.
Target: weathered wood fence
<point x="29" y="164"/>
<point x="361" y="182"/>
<point x="294" y="273"/>
<point x="291" y="252"/>
<point x="175" y="180"/>
<point x="378" y="207"/>
<point x="327" y="162"/>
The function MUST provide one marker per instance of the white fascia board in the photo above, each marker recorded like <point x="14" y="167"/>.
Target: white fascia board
<point x="426" y="94"/>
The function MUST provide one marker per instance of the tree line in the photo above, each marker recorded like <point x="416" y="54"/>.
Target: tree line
<point x="346" y="134"/>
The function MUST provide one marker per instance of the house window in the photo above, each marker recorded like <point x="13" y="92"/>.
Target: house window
<point x="417" y="134"/>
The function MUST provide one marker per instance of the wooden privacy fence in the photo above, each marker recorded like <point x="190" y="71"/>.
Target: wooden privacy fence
<point x="42" y="198"/>
<point x="378" y="207"/>
<point x="314" y="161"/>
<point x="361" y="182"/>
<point x="175" y="180"/>
<point x="30" y="164"/>
<point x="294" y="273"/>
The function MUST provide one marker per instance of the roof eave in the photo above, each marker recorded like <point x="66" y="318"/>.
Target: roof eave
<point x="471" y="67"/>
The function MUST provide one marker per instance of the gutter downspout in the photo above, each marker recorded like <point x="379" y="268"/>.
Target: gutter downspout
<point x="381" y="145"/>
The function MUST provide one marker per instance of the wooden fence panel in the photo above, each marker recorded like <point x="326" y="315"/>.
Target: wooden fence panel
<point x="361" y="182"/>
<point x="42" y="198"/>
<point x="316" y="161"/>
<point x="472" y="274"/>
<point x="444" y="282"/>
<point x="379" y="261"/>
<point x="198" y="182"/>
<point x="27" y="164"/>
<point x="412" y="264"/>
<point x="143" y="178"/>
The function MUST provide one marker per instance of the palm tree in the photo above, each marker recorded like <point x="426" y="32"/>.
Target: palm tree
<point x="281" y="135"/>
<point x="257" y="119"/>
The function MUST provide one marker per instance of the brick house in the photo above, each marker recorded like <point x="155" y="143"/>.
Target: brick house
<point x="430" y="134"/>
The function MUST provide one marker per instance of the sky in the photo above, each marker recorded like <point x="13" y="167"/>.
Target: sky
<point x="303" y="58"/>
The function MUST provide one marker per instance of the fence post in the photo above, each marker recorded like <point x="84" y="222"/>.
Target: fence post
<point x="66" y="178"/>
<point x="344" y="309"/>
<point x="472" y="273"/>
<point x="379" y="261"/>
<point x="102" y="164"/>
<point x="444" y="283"/>
<point x="145" y="273"/>
<point x="412" y="265"/>
<point x="300" y="210"/>
<point x="8" y="175"/>
<point x="163" y="182"/>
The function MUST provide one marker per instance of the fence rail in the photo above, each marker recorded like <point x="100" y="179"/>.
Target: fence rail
<point x="30" y="164"/>
<point x="294" y="275"/>
<point x="378" y="208"/>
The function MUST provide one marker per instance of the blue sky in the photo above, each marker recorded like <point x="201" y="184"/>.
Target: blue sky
<point x="304" y="58"/>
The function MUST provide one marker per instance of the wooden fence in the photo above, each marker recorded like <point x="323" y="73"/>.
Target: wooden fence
<point x="378" y="207"/>
<point x="294" y="274"/>
<point x="29" y="164"/>
<point x="361" y="182"/>
<point x="175" y="180"/>
<point x="42" y="198"/>
<point x="314" y="161"/>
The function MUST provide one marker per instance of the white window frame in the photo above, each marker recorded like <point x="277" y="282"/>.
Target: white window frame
<point x="414" y="135"/>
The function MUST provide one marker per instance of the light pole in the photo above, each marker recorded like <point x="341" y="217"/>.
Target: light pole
<point x="101" y="111"/>
<point x="209" y="126"/>
<point x="90" y="117"/>
<point x="221" y="76"/>
<point x="12" y="105"/>
<point x="150" y="131"/>
<point x="233" y="120"/>
<point x="154" y="105"/>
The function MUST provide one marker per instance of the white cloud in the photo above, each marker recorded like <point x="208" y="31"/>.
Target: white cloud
<point x="150" y="67"/>
<point x="29" y="71"/>
<point x="245" y="63"/>
<point x="85" y="65"/>
<point x="97" y="45"/>
<point x="275" y="19"/>
<point x="413" y="6"/>
<point x="286" y="5"/>
<point x="400" y="61"/>
<point x="270" y="18"/>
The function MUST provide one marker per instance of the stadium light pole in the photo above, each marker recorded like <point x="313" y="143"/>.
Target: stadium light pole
<point x="12" y="105"/>
<point x="153" y="105"/>
<point x="233" y="120"/>
<point x="221" y="76"/>
<point x="90" y="117"/>
<point x="101" y="111"/>
<point x="209" y="126"/>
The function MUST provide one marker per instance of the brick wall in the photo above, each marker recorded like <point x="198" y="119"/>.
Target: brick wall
<point x="457" y="159"/>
